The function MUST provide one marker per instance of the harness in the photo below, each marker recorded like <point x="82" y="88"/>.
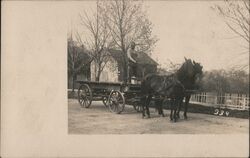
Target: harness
<point x="174" y="81"/>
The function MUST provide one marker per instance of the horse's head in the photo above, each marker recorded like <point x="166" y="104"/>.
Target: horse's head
<point x="190" y="73"/>
<point x="188" y="68"/>
<point x="197" y="72"/>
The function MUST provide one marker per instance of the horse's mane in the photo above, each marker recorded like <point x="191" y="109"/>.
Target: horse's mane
<point x="184" y="71"/>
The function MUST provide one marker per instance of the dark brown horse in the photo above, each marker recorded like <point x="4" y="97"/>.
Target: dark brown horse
<point x="189" y="74"/>
<point x="161" y="87"/>
<point x="171" y="86"/>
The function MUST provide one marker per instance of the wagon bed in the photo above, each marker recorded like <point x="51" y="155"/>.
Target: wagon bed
<point x="113" y="94"/>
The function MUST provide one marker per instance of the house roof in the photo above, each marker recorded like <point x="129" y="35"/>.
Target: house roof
<point x="140" y="57"/>
<point x="144" y="58"/>
<point x="117" y="55"/>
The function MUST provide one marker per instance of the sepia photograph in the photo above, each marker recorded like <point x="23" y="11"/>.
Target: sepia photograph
<point x="158" y="67"/>
<point x="124" y="78"/>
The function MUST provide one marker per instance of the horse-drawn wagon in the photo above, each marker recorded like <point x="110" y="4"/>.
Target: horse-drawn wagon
<point x="114" y="95"/>
<point x="175" y="87"/>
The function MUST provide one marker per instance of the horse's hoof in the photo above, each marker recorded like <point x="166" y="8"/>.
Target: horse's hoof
<point x="185" y="117"/>
<point x="173" y="121"/>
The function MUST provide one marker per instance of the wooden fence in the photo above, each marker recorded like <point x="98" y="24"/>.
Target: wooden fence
<point x="231" y="101"/>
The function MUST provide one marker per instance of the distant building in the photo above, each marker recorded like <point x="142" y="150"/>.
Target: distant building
<point x="113" y="71"/>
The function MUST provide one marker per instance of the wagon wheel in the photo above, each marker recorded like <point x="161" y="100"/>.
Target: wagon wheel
<point x="105" y="101"/>
<point x="138" y="108"/>
<point x="84" y="96"/>
<point x="116" y="102"/>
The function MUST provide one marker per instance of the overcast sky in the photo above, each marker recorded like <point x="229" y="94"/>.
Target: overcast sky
<point x="188" y="28"/>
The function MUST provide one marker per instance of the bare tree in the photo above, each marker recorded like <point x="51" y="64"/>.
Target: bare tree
<point x="98" y="39"/>
<point x="236" y="15"/>
<point x="128" y="22"/>
<point x="170" y="67"/>
<point x="226" y="81"/>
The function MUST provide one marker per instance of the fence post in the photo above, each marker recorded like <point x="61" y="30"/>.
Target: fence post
<point x="215" y="100"/>
<point x="244" y="104"/>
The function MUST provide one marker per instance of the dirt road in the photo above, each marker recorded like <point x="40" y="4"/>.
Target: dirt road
<point x="99" y="120"/>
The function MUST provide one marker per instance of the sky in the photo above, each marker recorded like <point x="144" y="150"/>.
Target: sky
<point x="188" y="29"/>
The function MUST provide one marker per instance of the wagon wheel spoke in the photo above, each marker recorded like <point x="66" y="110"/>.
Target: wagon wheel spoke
<point x="105" y="101"/>
<point x="84" y="96"/>
<point x="87" y="101"/>
<point x="116" y="102"/>
<point x="80" y="101"/>
<point x="113" y="107"/>
<point x="83" y="101"/>
<point x="113" y="103"/>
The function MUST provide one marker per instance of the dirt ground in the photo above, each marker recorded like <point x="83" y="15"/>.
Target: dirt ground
<point x="99" y="120"/>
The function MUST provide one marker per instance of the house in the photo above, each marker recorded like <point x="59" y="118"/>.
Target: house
<point x="113" y="70"/>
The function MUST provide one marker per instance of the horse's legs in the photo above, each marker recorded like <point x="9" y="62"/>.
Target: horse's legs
<point x="175" y="109"/>
<point x="147" y="104"/>
<point x="179" y="108"/>
<point x="186" y="105"/>
<point x="158" y="106"/>
<point x="174" y="104"/>
<point x="161" y="107"/>
<point x="171" y="108"/>
<point x="143" y="102"/>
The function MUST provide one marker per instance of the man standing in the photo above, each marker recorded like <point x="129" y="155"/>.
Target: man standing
<point x="132" y="62"/>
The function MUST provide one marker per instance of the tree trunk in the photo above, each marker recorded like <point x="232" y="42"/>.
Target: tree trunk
<point x="97" y="76"/>
<point x="126" y="72"/>
<point x="125" y="68"/>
